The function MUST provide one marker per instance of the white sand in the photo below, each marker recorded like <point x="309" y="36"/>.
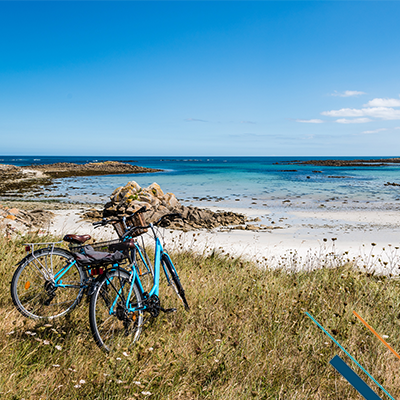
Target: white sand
<point x="297" y="241"/>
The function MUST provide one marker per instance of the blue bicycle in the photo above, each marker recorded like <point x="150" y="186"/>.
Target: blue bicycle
<point x="51" y="281"/>
<point x="119" y="299"/>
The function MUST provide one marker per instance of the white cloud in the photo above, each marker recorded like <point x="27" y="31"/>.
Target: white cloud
<point x="348" y="93"/>
<point x="353" y="121"/>
<point x="397" y="127"/>
<point x="308" y="137"/>
<point x="383" y="103"/>
<point x="344" y="112"/>
<point x="247" y="122"/>
<point x="374" y="112"/>
<point x="194" y="120"/>
<point x="310" y="121"/>
<point x="376" y="130"/>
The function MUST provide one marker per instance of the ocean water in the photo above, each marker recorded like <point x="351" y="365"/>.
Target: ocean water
<point x="229" y="181"/>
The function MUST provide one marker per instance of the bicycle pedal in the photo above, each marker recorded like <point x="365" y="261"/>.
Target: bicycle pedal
<point x="168" y="310"/>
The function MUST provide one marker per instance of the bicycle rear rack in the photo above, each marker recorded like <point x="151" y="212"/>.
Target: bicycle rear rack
<point x="30" y="247"/>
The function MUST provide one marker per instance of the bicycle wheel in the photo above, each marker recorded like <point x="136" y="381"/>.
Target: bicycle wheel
<point x="113" y="325"/>
<point x="48" y="284"/>
<point x="174" y="279"/>
<point x="144" y="267"/>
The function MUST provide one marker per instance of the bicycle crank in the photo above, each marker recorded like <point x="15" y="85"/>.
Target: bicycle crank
<point x="153" y="306"/>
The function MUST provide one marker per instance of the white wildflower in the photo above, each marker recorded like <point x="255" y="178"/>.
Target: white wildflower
<point x="46" y="342"/>
<point x="58" y="347"/>
<point x="56" y="365"/>
<point x="147" y="393"/>
<point x="82" y="381"/>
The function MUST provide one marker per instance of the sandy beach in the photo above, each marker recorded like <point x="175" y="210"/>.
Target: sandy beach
<point x="300" y="238"/>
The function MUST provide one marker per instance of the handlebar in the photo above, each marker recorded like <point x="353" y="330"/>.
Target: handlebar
<point x="169" y="216"/>
<point x="106" y="221"/>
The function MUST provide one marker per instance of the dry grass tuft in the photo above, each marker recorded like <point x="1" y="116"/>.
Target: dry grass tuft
<point x="246" y="336"/>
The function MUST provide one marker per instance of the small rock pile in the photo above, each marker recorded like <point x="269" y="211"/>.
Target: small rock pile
<point x="391" y="184"/>
<point x="16" y="220"/>
<point x="127" y="199"/>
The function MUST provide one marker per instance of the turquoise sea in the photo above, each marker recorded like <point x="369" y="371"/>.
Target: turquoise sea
<point x="224" y="180"/>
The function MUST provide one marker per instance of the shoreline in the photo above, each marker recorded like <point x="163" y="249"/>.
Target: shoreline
<point x="299" y="240"/>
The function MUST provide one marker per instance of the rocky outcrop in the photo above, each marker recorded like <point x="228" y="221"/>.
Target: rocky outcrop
<point x="16" y="220"/>
<point x="63" y="170"/>
<point x="128" y="199"/>
<point x="391" y="184"/>
<point x="15" y="180"/>
<point x="347" y="163"/>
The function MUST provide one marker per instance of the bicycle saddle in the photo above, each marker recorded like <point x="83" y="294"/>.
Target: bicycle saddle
<point x="77" y="239"/>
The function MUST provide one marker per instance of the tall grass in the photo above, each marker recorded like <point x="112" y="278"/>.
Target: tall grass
<point x="246" y="336"/>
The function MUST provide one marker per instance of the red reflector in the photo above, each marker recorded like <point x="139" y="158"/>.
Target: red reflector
<point x="27" y="249"/>
<point x="96" y="271"/>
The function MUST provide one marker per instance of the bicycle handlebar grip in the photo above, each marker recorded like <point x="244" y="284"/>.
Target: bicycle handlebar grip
<point x="102" y="222"/>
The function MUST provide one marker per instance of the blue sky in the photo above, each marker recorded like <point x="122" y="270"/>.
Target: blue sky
<point x="200" y="78"/>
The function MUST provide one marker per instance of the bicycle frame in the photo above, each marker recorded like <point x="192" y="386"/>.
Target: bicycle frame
<point x="159" y="252"/>
<point x="47" y="271"/>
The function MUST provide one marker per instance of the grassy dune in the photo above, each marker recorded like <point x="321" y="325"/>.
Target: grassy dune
<point x="246" y="336"/>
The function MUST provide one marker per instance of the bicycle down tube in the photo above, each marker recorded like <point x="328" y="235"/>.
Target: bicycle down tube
<point x="155" y="289"/>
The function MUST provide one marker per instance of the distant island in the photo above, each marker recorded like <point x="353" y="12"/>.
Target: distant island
<point x="347" y="163"/>
<point x="25" y="177"/>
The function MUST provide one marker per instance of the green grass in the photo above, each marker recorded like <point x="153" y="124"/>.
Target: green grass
<point x="246" y="336"/>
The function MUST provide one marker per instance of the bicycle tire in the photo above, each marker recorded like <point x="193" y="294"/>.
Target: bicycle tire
<point x="33" y="290"/>
<point x="174" y="280"/>
<point x="116" y="329"/>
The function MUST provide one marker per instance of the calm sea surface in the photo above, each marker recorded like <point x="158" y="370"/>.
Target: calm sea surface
<point x="225" y="179"/>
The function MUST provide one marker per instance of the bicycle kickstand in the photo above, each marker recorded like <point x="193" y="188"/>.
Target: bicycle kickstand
<point x="168" y="310"/>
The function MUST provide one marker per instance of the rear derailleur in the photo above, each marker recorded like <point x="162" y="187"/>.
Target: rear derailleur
<point x="51" y="292"/>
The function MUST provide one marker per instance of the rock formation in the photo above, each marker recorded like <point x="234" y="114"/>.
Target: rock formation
<point x="391" y="184"/>
<point x="127" y="199"/>
<point x="16" y="220"/>
<point x="15" y="179"/>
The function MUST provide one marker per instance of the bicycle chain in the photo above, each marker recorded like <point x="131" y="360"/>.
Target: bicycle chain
<point x="153" y="305"/>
